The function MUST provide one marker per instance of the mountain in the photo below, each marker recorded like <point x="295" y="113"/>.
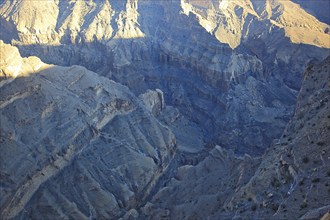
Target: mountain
<point x="319" y="9"/>
<point x="66" y="130"/>
<point x="152" y="109"/>
<point x="169" y="45"/>
<point x="229" y="21"/>
<point x="294" y="176"/>
<point x="232" y="22"/>
<point x="291" y="181"/>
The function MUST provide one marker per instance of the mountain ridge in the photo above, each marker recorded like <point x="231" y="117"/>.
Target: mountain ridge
<point x="71" y="119"/>
<point x="163" y="109"/>
<point x="173" y="39"/>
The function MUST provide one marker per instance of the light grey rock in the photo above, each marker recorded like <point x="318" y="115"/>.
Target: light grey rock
<point x="131" y="214"/>
<point x="289" y="182"/>
<point x="199" y="190"/>
<point x="82" y="143"/>
<point x="198" y="53"/>
<point x="229" y="71"/>
<point x="295" y="169"/>
<point x="154" y="101"/>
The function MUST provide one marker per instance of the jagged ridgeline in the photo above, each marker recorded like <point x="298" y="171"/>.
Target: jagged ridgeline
<point x="168" y="109"/>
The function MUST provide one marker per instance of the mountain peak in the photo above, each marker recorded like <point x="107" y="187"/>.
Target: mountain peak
<point x="176" y="109"/>
<point x="232" y="21"/>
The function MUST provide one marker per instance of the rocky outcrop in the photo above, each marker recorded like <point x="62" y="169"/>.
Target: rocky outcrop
<point x="201" y="54"/>
<point x="13" y="65"/>
<point x="154" y="101"/>
<point x="72" y="140"/>
<point x="291" y="181"/>
<point x="201" y="189"/>
<point x="232" y="21"/>
<point x="293" y="178"/>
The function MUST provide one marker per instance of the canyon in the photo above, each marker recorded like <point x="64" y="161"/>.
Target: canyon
<point x="141" y="109"/>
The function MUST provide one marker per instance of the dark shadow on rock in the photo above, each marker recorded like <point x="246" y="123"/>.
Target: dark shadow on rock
<point x="244" y="111"/>
<point x="64" y="133"/>
<point x="215" y="109"/>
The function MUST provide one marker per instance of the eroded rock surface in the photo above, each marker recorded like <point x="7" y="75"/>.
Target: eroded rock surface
<point x="291" y="181"/>
<point x="65" y="131"/>
<point x="222" y="76"/>
<point x="293" y="178"/>
<point x="208" y="57"/>
<point x="154" y="101"/>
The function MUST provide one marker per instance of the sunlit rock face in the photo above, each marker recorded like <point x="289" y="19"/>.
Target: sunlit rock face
<point x="54" y="22"/>
<point x="233" y="21"/>
<point x="217" y="80"/>
<point x="230" y="22"/>
<point x="13" y="65"/>
<point x="232" y="67"/>
<point x="68" y="128"/>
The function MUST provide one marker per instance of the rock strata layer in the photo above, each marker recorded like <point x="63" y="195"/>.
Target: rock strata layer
<point x="231" y="67"/>
<point x="169" y="117"/>
<point x="72" y="140"/>
<point x="291" y="181"/>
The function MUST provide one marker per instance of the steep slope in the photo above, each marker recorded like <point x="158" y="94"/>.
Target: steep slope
<point x="232" y="21"/>
<point x="293" y="178"/>
<point x="216" y="72"/>
<point x="277" y="32"/>
<point x="319" y="10"/>
<point x="65" y="131"/>
<point x="199" y="189"/>
<point x="240" y="98"/>
<point x="54" y="22"/>
<point x="291" y="182"/>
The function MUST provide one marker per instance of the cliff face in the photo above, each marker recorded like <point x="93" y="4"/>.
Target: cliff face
<point x="230" y="22"/>
<point x="234" y="21"/>
<point x="54" y="22"/>
<point x="293" y="178"/>
<point x="215" y="79"/>
<point x="291" y="181"/>
<point x="68" y="128"/>
<point x="208" y="57"/>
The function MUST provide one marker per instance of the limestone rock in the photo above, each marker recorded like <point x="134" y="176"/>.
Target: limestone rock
<point x="32" y="21"/>
<point x="295" y="169"/>
<point x="230" y="72"/>
<point x="289" y="182"/>
<point x="154" y="101"/>
<point x="13" y="65"/>
<point x="83" y="145"/>
<point x="201" y="54"/>
<point x="228" y="20"/>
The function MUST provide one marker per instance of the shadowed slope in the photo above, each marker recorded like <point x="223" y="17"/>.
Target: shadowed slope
<point x="59" y="120"/>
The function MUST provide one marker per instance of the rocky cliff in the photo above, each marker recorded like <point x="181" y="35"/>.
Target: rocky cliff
<point x="293" y="178"/>
<point x="65" y="131"/>
<point x="169" y="117"/>
<point x="291" y="181"/>
<point x="208" y="57"/>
